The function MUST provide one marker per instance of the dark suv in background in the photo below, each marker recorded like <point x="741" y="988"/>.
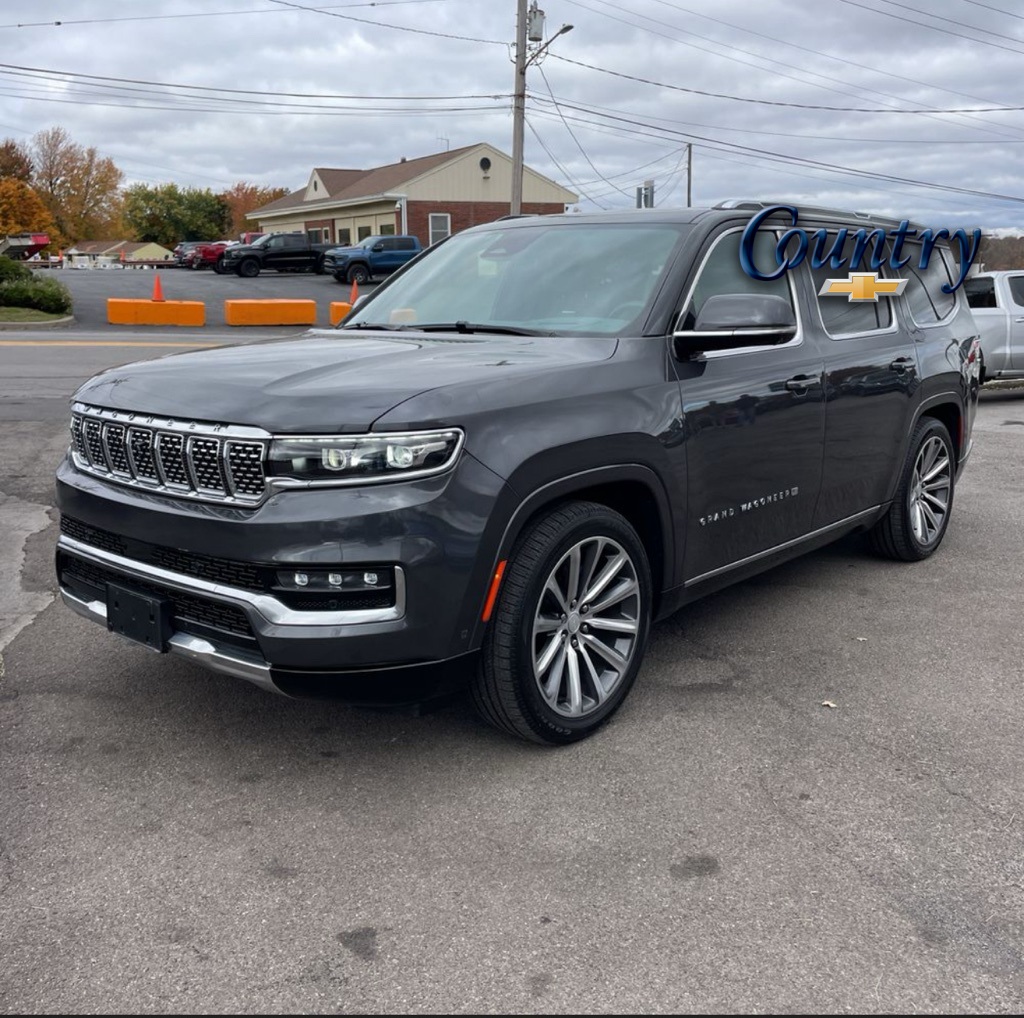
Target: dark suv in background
<point x="521" y="450"/>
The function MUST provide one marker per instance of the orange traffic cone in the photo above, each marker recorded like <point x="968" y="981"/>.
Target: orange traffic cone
<point x="158" y="290"/>
<point x="354" y="295"/>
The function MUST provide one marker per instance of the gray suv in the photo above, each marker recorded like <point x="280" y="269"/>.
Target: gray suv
<point x="524" y="448"/>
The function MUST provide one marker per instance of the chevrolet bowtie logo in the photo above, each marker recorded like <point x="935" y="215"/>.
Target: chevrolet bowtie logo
<point x="862" y="286"/>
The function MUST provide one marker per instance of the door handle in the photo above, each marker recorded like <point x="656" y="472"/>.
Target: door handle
<point x="1019" y="319"/>
<point x="902" y="364"/>
<point x="800" y="383"/>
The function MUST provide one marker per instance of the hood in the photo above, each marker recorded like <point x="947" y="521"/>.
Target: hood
<point x="330" y="381"/>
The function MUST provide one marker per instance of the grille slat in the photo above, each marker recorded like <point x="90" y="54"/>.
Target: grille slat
<point x="182" y="458"/>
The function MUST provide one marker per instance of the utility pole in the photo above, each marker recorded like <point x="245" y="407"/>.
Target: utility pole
<point x="519" y="111"/>
<point x="529" y="29"/>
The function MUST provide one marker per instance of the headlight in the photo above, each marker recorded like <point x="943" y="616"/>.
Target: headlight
<point x="362" y="458"/>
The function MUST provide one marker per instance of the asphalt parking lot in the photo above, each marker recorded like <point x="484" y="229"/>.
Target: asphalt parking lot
<point x="90" y="289"/>
<point x="177" y="842"/>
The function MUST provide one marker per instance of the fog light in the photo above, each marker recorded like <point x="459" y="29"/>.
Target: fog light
<point x="370" y="579"/>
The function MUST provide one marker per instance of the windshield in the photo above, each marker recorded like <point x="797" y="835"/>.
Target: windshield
<point x="261" y="241"/>
<point x="558" y="278"/>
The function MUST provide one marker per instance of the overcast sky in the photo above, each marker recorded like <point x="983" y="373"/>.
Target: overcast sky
<point x="749" y="82"/>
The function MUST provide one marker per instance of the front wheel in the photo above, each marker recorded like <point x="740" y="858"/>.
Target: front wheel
<point x="249" y="268"/>
<point x="917" y="519"/>
<point x="358" y="274"/>
<point x="569" y="628"/>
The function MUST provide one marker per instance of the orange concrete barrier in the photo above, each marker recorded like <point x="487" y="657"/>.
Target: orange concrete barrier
<point x="147" y="312"/>
<point x="270" y="312"/>
<point x="339" y="309"/>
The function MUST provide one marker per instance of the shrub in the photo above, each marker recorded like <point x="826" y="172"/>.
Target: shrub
<point x="10" y="269"/>
<point x="47" y="295"/>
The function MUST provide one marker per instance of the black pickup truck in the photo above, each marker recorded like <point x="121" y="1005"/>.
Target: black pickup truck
<point x="286" y="252"/>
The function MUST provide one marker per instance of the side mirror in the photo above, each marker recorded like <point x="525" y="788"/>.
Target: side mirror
<point x="378" y="246"/>
<point x="730" y="321"/>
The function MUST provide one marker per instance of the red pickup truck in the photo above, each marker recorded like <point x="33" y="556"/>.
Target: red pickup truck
<point x="208" y="256"/>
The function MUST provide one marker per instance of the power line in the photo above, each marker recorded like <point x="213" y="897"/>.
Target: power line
<point x="773" y="65"/>
<point x="384" y="24"/>
<point x="801" y="160"/>
<point x="821" y="53"/>
<point x="934" y="28"/>
<point x="242" y="91"/>
<point x="537" y="97"/>
<point x="199" y="14"/>
<point x="590" y="162"/>
<point x="565" y="173"/>
<point x="779" y="102"/>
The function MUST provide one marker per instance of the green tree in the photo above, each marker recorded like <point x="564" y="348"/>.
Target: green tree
<point x="79" y="187"/>
<point x="15" y="160"/>
<point x="167" y="213"/>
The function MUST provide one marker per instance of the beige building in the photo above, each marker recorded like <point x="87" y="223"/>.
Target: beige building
<point x="103" y="252"/>
<point x="429" y="197"/>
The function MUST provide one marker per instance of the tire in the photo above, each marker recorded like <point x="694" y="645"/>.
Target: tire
<point x="358" y="274"/>
<point x="589" y="669"/>
<point x="318" y="268"/>
<point x="917" y="519"/>
<point x="218" y="266"/>
<point x="249" y="268"/>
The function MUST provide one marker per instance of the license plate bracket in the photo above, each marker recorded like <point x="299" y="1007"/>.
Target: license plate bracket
<point x="141" y="618"/>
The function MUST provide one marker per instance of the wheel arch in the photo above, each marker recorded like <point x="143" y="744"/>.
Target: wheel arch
<point x="631" y="489"/>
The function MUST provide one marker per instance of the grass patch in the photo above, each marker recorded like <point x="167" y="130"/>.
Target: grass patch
<point x="18" y="315"/>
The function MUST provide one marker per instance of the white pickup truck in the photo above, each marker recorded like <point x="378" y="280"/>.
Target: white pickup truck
<point x="997" y="303"/>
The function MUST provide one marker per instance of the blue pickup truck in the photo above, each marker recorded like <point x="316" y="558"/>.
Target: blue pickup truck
<point x="373" y="256"/>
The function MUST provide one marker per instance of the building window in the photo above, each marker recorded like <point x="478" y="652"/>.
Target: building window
<point x="344" y="236"/>
<point x="440" y="226"/>
<point x="387" y="229"/>
<point x="362" y="232"/>
<point x="314" y="236"/>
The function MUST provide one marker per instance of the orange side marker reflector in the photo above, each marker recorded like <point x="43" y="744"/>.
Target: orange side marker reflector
<point x="492" y="594"/>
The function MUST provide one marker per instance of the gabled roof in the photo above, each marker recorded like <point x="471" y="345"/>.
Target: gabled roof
<point x="102" y="247"/>
<point x="346" y="185"/>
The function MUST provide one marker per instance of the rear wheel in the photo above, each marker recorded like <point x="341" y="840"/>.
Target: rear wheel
<point x="917" y="519"/>
<point x="358" y="274"/>
<point x="249" y="268"/>
<point x="218" y="266"/>
<point x="570" y="626"/>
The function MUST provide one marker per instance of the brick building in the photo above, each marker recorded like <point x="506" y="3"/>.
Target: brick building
<point x="430" y="197"/>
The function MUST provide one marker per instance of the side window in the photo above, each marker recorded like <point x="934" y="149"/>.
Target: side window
<point x="980" y="292"/>
<point x="389" y="244"/>
<point x="1016" y="284"/>
<point x="927" y="303"/>
<point x="842" y="317"/>
<point x="406" y="244"/>
<point x="440" y="224"/>
<point x="722" y="273"/>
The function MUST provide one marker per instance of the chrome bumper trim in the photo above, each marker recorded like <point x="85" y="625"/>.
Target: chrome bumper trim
<point x="217" y="658"/>
<point x="268" y="607"/>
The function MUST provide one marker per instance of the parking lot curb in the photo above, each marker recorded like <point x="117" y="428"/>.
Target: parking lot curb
<point x="58" y="323"/>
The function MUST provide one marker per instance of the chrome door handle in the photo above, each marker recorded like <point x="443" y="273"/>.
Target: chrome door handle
<point x="901" y="364"/>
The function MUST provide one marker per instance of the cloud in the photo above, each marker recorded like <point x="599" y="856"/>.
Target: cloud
<point x="596" y="132"/>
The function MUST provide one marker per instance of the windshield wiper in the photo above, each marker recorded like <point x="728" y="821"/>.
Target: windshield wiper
<point x="378" y="326"/>
<point x="467" y="328"/>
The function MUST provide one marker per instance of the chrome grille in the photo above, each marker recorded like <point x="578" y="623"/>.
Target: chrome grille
<point x="215" y="463"/>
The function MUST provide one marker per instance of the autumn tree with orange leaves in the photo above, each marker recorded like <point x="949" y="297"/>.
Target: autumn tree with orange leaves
<point x="244" y="197"/>
<point x="80" y="187"/>
<point x="22" y="210"/>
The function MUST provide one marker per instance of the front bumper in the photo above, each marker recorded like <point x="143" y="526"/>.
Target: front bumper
<point x="432" y="533"/>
